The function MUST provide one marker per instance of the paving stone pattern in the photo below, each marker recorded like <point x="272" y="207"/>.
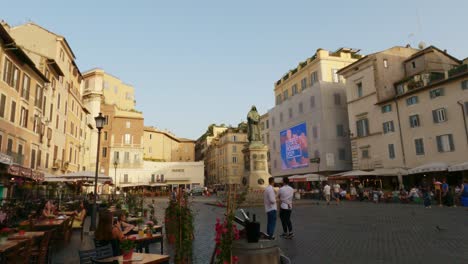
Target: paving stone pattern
<point x="351" y="232"/>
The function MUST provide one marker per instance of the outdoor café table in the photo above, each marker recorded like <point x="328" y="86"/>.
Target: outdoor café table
<point x="27" y="235"/>
<point x="157" y="228"/>
<point x="68" y="213"/>
<point x="46" y="223"/>
<point x="9" y="245"/>
<point x="133" y="219"/>
<point x="154" y="238"/>
<point x="142" y="258"/>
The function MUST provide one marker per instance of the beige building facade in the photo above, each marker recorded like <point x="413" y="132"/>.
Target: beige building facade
<point x="67" y="117"/>
<point x="311" y="99"/>
<point x="407" y="108"/>
<point x="164" y="146"/>
<point x="224" y="160"/>
<point x="22" y="86"/>
<point x="265" y="135"/>
<point x="122" y="134"/>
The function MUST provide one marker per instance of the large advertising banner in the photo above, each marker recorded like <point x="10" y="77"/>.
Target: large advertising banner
<point x="294" y="153"/>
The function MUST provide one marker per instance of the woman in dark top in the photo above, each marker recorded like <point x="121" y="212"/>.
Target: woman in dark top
<point x="108" y="232"/>
<point x="125" y="227"/>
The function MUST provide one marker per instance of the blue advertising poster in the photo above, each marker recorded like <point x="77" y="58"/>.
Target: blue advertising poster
<point x="294" y="153"/>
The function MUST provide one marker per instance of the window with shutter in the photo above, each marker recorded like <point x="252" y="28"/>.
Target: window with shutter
<point x="419" y="145"/>
<point x="391" y="151"/>
<point x="445" y="143"/>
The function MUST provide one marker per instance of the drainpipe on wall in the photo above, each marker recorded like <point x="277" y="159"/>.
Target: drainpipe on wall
<point x="464" y="118"/>
<point x="401" y="135"/>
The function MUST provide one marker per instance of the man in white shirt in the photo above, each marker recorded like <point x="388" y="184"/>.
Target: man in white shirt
<point x="285" y="195"/>
<point x="269" y="199"/>
<point x="326" y="192"/>
<point x="336" y="192"/>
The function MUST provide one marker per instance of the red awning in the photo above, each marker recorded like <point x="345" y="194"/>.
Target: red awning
<point x="20" y="171"/>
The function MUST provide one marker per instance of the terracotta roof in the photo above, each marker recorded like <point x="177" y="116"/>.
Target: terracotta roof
<point x="428" y="50"/>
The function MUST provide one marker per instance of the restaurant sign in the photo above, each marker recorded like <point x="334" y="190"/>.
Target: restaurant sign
<point x="17" y="170"/>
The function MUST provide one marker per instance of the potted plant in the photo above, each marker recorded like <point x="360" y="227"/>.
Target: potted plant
<point x="127" y="246"/>
<point x="51" y="219"/>
<point x="21" y="230"/>
<point x="4" y="232"/>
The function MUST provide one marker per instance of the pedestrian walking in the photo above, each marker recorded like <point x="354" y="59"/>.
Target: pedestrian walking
<point x="326" y="192"/>
<point x="426" y="190"/>
<point x="361" y="191"/>
<point x="285" y="195"/>
<point x="352" y="192"/>
<point x="336" y="192"/>
<point x="464" y="193"/>
<point x="269" y="200"/>
<point x="445" y="191"/>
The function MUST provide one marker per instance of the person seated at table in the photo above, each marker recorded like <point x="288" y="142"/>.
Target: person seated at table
<point x="107" y="232"/>
<point x="80" y="215"/>
<point x="403" y="196"/>
<point x="122" y="224"/>
<point x="48" y="210"/>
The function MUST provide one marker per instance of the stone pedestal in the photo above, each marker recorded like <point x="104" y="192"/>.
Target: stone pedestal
<point x="256" y="165"/>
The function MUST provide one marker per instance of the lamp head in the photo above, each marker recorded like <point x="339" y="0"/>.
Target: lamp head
<point x="100" y="121"/>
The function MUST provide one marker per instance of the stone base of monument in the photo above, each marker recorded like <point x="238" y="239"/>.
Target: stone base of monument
<point x="256" y="166"/>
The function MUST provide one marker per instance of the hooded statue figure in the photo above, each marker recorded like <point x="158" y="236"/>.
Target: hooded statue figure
<point x="253" y="130"/>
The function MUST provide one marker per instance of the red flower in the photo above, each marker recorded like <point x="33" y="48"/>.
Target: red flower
<point x="218" y="252"/>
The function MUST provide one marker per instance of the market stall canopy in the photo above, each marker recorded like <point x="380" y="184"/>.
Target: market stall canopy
<point x="53" y="178"/>
<point x="429" y="167"/>
<point x="307" y="178"/>
<point x="390" y="172"/>
<point x="350" y="174"/>
<point x="157" y="184"/>
<point x="87" y="176"/>
<point x="133" y="184"/>
<point x="459" y="167"/>
<point x="354" y="173"/>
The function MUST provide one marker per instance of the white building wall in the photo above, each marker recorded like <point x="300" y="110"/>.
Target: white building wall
<point x="320" y="113"/>
<point x="173" y="173"/>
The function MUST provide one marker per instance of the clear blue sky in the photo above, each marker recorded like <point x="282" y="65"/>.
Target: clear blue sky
<point x="194" y="63"/>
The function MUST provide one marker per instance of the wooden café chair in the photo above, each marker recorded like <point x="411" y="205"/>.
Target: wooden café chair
<point x="20" y="254"/>
<point x="40" y="253"/>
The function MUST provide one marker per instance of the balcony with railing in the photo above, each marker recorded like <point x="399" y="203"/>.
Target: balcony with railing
<point x="418" y="81"/>
<point x="17" y="158"/>
<point x="458" y="70"/>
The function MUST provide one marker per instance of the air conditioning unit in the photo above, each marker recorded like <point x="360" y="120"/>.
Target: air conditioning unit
<point x="417" y="78"/>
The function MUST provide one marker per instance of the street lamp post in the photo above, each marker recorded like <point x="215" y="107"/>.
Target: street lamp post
<point x="116" y="164"/>
<point x="99" y="125"/>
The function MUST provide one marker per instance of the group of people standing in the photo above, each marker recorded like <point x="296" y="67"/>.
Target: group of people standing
<point x="285" y="197"/>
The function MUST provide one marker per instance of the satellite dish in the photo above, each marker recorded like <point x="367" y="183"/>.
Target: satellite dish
<point x="421" y="45"/>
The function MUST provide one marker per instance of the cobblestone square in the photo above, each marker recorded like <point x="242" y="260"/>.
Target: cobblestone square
<point x="351" y="232"/>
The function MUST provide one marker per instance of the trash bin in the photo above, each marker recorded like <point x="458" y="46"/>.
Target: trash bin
<point x="263" y="252"/>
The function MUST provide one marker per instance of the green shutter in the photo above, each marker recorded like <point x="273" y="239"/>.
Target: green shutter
<point x="434" y="116"/>
<point x="439" y="144"/>
<point x="366" y="122"/>
<point x="452" y="146"/>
